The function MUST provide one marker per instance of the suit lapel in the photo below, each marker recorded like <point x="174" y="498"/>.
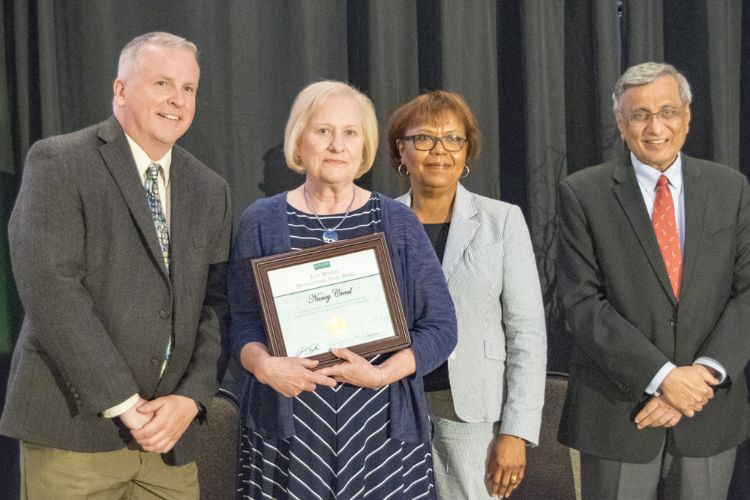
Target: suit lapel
<point x="462" y="231"/>
<point x="119" y="160"/>
<point x="694" y="188"/>
<point x="631" y="200"/>
<point x="182" y="211"/>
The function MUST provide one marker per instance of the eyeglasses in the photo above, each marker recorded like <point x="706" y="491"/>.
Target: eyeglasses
<point x="642" y="116"/>
<point x="425" y="142"/>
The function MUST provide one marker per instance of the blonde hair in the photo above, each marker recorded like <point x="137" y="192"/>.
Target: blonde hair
<point x="309" y="101"/>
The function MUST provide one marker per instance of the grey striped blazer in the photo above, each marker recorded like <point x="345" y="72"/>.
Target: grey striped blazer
<point x="497" y="370"/>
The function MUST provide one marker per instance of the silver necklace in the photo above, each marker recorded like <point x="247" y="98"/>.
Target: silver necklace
<point x="329" y="235"/>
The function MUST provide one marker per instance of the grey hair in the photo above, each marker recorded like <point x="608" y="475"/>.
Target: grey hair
<point x="129" y="54"/>
<point x="645" y="73"/>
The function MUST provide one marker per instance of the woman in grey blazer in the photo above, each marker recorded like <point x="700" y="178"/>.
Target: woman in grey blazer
<point x="486" y="400"/>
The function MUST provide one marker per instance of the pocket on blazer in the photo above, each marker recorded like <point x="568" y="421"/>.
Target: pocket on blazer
<point x="199" y="241"/>
<point x="494" y="349"/>
<point x="492" y="251"/>
<point x="714" y="232"/>
<point x="716" y="223"/>
<point x="720" y="240"/>
<point x="485" y="265"/>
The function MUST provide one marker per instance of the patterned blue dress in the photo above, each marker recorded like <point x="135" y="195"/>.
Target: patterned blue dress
<point x="341" y="448"/>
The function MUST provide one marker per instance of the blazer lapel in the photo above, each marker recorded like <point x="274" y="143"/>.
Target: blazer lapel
<point x="119" y="160"/>
<point x="695" y="203"/>
<point x="463" y="227"/>
<point x="462" y="231"/>
<point x="181" y="239"/>
<point x="631" y="200"/>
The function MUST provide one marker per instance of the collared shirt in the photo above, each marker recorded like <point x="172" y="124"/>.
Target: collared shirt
<point x="142" y="162"/>
<point x="647" y="176"/>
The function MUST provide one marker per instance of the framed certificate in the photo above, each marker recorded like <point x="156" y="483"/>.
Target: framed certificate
<point x="341" y="294"/>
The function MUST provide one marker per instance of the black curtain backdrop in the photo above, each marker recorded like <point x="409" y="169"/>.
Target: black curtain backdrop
<point x="538" y="73"/>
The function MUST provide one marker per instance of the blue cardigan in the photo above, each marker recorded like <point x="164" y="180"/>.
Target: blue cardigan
<point x="427" y="306"/>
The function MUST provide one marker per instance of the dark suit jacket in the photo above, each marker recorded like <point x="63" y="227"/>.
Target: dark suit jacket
<point x="624" y="318"/>
<point x="100" y="305"/>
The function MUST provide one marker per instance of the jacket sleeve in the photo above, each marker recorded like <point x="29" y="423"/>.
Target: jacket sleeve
<point x="728" y="341"/>
<point x="246" y="319"/>
<point x="525" y="333"/>
<point x="201" y="378"/>
<point x="47" y="234"/>
<point x="617" y="347"/>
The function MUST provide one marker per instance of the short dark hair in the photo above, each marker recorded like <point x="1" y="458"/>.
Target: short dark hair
<point x="432" y="107"/>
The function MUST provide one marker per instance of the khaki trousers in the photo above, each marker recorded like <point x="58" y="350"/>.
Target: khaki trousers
<point x="123" y="474"/>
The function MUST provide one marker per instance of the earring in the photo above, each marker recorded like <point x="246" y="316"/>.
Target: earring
<point x="468" y="171"/>
<point x="399" y="170"/>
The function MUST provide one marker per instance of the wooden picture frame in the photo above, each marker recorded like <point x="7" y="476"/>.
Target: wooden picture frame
<point x="341" y="294"/>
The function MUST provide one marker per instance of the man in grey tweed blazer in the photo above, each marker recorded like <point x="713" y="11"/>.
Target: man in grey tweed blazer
<point x="657" y="392"/>
<point x="117" y="355"/>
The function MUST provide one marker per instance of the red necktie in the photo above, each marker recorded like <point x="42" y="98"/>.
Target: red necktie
<point x="667" y="236"/>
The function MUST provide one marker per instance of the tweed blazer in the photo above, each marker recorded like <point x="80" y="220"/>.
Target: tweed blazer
<point x="100" y="305"/>
<point x="626" y="322"/>
<point x="497" y="370"/>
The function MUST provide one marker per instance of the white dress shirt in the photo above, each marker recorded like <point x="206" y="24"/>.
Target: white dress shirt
<point x="647" y="177"/>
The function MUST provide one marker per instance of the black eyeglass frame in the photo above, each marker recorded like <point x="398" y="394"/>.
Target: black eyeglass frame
<point x="435" y="139"/>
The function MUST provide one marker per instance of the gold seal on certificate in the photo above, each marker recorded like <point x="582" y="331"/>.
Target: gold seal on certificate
<point x="342" y="294"/>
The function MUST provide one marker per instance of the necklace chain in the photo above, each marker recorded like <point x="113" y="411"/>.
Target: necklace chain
<point x="329" y="235"/>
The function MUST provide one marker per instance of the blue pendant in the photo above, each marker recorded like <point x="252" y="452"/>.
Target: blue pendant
<point x="330" y="236"/>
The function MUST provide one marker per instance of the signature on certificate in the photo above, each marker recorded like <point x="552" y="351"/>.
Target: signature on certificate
<point x="308" y="350"/>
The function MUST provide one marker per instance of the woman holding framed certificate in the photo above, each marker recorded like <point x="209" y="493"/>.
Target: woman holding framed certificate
<point x="359" y="427"/>
<point x="486" y="399"/>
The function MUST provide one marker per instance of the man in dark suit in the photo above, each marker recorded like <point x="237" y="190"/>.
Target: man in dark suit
<point x="654" y="276"/>
<point x="119" y="240"/>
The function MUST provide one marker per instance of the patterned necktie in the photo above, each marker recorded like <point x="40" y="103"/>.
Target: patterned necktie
<point x="665" y="228"/>
<point x="157" y="212"/>
<point x="162" y="232"/>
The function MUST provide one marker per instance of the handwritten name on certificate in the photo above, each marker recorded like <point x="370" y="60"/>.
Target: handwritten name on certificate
<point x="333" y="302"/>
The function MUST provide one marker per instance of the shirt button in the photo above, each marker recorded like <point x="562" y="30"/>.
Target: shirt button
<point x="154" y="361"/>
<point x="163" y="314"/>
<point x="672" y="323"/>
